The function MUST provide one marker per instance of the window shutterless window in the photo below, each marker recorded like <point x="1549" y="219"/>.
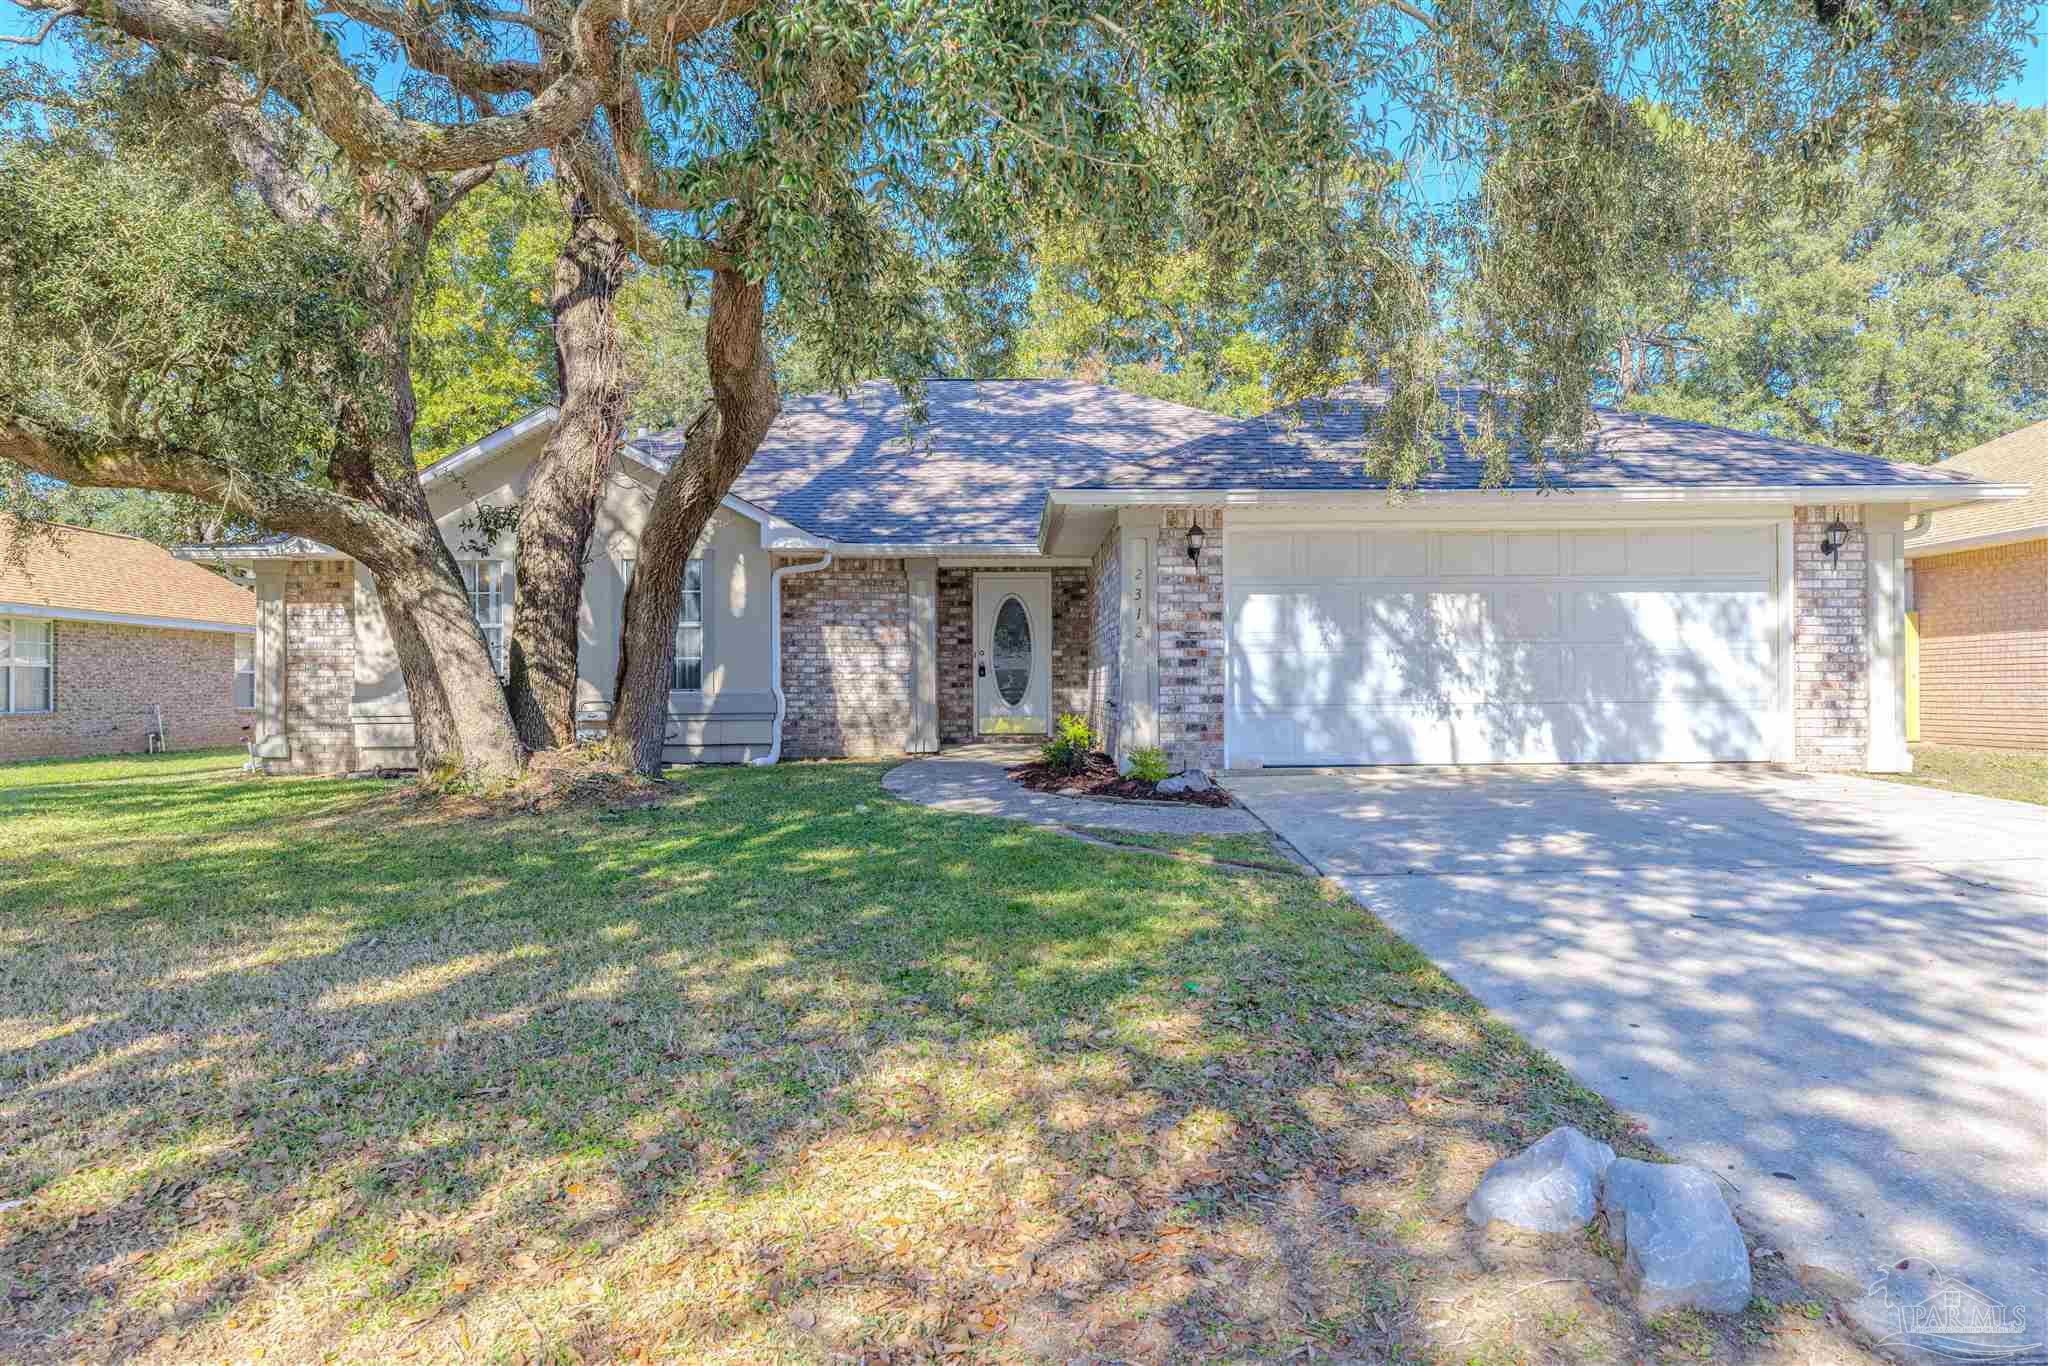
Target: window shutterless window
<point x="688" y="673"/>
<point x="28" y="664"/>
<point x="245" y="671"/>
<point x="485" y="580"/>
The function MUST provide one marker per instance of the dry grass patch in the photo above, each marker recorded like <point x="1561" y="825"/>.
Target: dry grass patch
<point x="2016" y="775"/>
<point x="775" y="1069"/>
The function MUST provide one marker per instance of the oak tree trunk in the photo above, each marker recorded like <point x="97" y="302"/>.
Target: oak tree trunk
<point x="560" y="504"/>
<point x="461" y="720"/>
<point x="716" y="450"/>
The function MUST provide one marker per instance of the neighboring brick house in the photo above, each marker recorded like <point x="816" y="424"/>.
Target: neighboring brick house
<point x="106" y="641"/>
<point x="1979" y="597"/>
<point x="1235" y="593"/>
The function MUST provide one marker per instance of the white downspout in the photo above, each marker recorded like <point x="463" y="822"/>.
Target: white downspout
<point x="774" y="753"/>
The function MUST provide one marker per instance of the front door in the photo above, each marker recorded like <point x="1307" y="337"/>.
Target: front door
<point x="1013" y="654"/>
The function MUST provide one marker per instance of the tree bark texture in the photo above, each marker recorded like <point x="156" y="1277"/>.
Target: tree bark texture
<point x="718" y="446"/>
<point x="559" y="508"/>
<point x="461" y="719"/>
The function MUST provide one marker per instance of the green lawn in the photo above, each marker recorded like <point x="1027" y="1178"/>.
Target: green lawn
<point x="777" y="1069"/>
<point x="2013" y="774"/>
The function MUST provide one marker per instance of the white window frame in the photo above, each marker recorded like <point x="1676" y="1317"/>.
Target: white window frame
<point x="488" y="606"/>
<point x="245" y="668"/>
<point x="14" y="659"/>
<point x="690" y="599"/>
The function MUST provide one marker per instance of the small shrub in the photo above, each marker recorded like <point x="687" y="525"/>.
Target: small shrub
<point x="1148" y="765"/>
<point x="1070" y="746"/>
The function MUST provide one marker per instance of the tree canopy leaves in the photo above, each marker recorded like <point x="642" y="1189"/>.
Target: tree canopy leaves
<point x="1908" y="323"/>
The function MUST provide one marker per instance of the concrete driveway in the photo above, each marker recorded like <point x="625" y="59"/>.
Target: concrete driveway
<point x="1831" y="991"/>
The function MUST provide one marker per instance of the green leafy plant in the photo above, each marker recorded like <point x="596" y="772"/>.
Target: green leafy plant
<point x="1071" y="743"/>
<point x="1148" y="765"/>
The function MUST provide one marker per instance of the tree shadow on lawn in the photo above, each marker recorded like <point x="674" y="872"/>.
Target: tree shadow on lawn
<point x="782" y="1066"/>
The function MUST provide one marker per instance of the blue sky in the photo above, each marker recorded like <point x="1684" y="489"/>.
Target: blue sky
<point x="2029" y="87"/>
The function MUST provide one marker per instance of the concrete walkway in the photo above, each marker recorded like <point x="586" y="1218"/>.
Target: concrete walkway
<point x="974" y="780"/>
<point x="1830" y="991"/>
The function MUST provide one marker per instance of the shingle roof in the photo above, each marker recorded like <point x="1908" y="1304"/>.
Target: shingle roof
<point x="2019" y="457"/>
<point x="978" y="472"/>
<point x="1319" y="445"/>
<point x="76" y="570"/>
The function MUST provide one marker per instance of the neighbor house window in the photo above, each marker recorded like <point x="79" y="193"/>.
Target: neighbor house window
<point x="485" y="580"/>
<point x="28" y="664"/>
<point x="688" y="674"/>
<point x="245" y="671"/>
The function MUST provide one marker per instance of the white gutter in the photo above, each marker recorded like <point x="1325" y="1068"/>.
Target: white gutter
<point x="774" y="754"/>
<point x="1958" y="544"/>
<point x="1932" y="494"/>
<point x="30" y="609"/>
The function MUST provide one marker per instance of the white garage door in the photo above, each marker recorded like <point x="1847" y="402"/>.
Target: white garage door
<point x="1469" y="647"/>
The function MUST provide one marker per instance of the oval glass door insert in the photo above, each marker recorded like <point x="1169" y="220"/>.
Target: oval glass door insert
<point x="1010" y="651"/>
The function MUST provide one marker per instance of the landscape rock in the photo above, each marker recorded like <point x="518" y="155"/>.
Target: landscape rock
<point x="1194" y="780"/>
<point x="1680" y="1248"/>
<point x="1552" y="1186"/>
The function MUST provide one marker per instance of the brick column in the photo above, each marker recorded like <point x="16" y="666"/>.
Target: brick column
<point x="1105" y="641"/>
<point x="1191" y="647"/>
<point x="1830" y="641"/>
<point x="319" y="665"/>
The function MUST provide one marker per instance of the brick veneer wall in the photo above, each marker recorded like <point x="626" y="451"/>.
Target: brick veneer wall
<point x="1105" y="638"/>
<point x="107" y="678"/>
<point x="1188" y="600"/>
<point x="846" y="661"/>
<point x="956" y="656"/>
<point x="1830" y="642"/>
<point x="1984" y="646"/>
<point x="1072" y="591"/>
<point x="319" y="666"/>
<point x="1072" y="639"/>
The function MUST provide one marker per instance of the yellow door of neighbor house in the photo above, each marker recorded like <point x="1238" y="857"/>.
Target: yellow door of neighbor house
<point x="1912" y="678"/>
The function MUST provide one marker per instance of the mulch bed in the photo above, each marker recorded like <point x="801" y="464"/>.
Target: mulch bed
<point x="1100" y="779"/>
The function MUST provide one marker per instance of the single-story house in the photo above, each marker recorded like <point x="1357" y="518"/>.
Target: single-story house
<point x="107" y="641"/>
<point x="1978" y="579"/>
<point x="1236" y="593"/>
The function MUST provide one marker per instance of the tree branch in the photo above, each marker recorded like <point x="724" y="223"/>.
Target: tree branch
<point x="368" y="129"/>
<point x="585" y="168"/>
<point x="447" y="196"/>
<point x="350" y="525"/>
<point x="201" y="30"/>
<point x="430" y="52"/>
<point x="278" y="183"/>
<point x="35" y="39"/>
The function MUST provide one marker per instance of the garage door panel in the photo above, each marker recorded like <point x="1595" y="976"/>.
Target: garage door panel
<point x="1527" y="614"/>
<point x="1400" y="554"/>
<point x="1670" y="616"/>
<point x="1462" y="553"/>
<point x="1297" y="617"/>
<point x="1331" y="555"/>
<point x="1263" y="555"/>
<point x="1493" y="733"/>
<point x="1528" y="672"/>
<point x="1749" y="550"/>
<point x="1567" y="646"/>
<point x="1657" y="554"/>
<point x="1534" y="553"/>
<point x="1634" y="672"/>
<point x="1267" y="682"/>
<point x="1596" y="553"/>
